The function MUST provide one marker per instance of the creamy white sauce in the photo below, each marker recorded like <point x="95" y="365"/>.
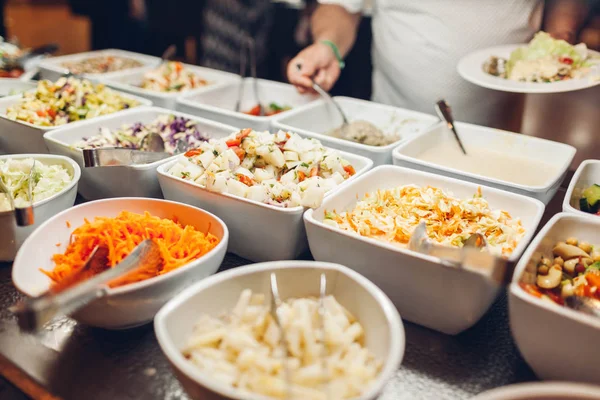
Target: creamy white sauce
<point x="491" y="164"/>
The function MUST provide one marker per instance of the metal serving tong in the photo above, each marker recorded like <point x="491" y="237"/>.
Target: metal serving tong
<point x="445" y="113"/>
<point x="248" y="50"/>
<point x="23" y="215"/>
<point x="73" y="294"/>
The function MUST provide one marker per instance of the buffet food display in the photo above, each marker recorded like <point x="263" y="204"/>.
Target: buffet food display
<point x="170" y="77"/>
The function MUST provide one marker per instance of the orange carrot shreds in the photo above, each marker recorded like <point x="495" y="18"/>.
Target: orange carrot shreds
<point x="68" y="224"/>
<point x="178" y="244"/>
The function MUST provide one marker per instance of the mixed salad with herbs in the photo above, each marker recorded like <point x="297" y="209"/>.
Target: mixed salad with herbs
<point x="271" y="109"/>
<point x="170" y="127"/>
<point x="67" y="100"/>
<point x="281" y="169"/>
<point x="101" y="64"/>
<point x="172" y="76"/>
<point x="48" y="180"/>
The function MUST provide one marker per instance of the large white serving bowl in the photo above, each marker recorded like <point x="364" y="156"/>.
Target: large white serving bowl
<point x="120" y="181"/>
<point x="23" y="137"/>
<point x="259" y="231"/>
<point x="384" y="333"/>
<point x="219" y="103"/>
<point x="131" y="81"/>
<point x="542" y="391"/>
<point x="556" y="342"/>
<point x="587" y="174"/>
<point x="446" y="299"/>
<point x="134" y="304"/>
<point x="52" y="69"/>
<point x="554" y="153"/>
<point x="317" y="118"/>
<point x="13" y="236"/>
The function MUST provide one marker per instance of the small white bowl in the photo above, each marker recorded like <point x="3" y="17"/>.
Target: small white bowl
<point x="12" y="86"/>
<point x="120" y="181"/>
<point x="559" y="154"/>
<point x="556" y="342"/>
<point x="587" y="174"/>
<point x="126" y="306"/>
<point x="317" y="118"/>
<point x="446" y="299"/>
<point x="130" y="82"/>
<point x="23" y="137"/>
<point x="219" y="103"/>
<point x="542" y="391"/>
<point x="52" y="69"/>
<point x="259" y="231"/>
<point x="13" y="236"/>
<point x="384" y="333"/>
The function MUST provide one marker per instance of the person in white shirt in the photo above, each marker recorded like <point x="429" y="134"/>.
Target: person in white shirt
<point x="418" y="43"/>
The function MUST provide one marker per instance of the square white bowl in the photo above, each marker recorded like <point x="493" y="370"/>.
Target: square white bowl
<point x="23" y="137"/>
<point x="219" y="103"/>
<point x="259" y="232"/>
<point x="558" y="154"/>
<point x="425" y="292"/>
<point x="384" y="333"/>
<point x="120" y="181"/>
<point x="13" y="236"/>
<point x="52" y="69"/>
<point x="587" y="174"/>
<point x="556" y="342"/>
<point x="130" y="81"/>
<point x="316" y="119"/>
<point x="130" y="305"/>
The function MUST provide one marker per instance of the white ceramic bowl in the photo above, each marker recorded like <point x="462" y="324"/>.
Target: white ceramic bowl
<point x="120" y="181"/>
<point x="556" y="342"/>
<point x="130" y="305"/>
<point x="542" y="391"/>
<point x="219" y="103"/>
<point x="12" y="86"/>
<point x="259" y="232"/>
<point x="446" y="299"/>
<point x="384" y="333"/>
<point x="318" y="118"/>
<point x="130" y="81"/>
<point x="587" y="174"/>
<point x="23" y="137"/>
<point x="554" y="153"/>
<point x="52" y="69"/>
<point x="13" y="236"/>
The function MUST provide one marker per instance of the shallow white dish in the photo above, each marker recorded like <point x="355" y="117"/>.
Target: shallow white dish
<point x="259" y="232"/>
<point x="52" y="69"/>
<point x="470" y="67"/>
<point x="12" y="86"/>
<point x="219" y="103"/>
<point x="539" y="327"/>
<point x="316" y="119"/>
<point x="13" y="236"/>
<point x="542" y="391"/>
<point x="554" y="153"/>
<point x="129" y="81"/>
<point x="384" y="333"/>
<point x="134" y="304"/>
<point x="120" y="181"/>
<point x="446" y="299"/>
<point x="587" y="174"/>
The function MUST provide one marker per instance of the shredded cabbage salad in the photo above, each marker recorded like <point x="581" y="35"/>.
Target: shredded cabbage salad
<point x="67" y="100"/>
<point x="172" y="76"/>
<point x="170" y="127"/>
<point x="392" y="215"/>
<point x="48" y="180"/>
<point x="281" y="169"/>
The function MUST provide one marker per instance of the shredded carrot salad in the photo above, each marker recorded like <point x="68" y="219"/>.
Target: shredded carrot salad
<point x="178" y="245"/>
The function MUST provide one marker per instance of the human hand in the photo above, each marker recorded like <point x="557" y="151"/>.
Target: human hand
<point x="317" y="60"/>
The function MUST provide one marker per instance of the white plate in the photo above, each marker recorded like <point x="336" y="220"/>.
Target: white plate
<point x="317" y="118"/>
<point x="586" y="175"/>
<point x="121" y="181"/>
<point x="470" y="68"/>
<point x="542" y="391"/>
<point x="384" y="333"/>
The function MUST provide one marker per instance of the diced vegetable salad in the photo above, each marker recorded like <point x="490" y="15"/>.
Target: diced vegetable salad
<point x="67" y="100"/>
<point x="172" y="76"/>
<point x="280" y="169"/>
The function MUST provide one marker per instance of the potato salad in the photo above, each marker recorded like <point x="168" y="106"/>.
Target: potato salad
<point x="281" y="169"/>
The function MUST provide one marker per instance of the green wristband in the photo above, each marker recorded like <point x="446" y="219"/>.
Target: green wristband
<point x="336" y="52"/>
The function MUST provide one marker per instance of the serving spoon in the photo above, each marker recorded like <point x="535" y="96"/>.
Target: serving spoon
<point x="443" y="110"/>
<point x="23" y="215"/>
<point x="248" y="50"/>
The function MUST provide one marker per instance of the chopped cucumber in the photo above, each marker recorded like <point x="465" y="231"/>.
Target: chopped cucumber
<point x="590" y="201"/>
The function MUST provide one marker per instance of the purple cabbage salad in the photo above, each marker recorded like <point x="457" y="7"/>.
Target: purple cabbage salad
<point x="170" y="127"/>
